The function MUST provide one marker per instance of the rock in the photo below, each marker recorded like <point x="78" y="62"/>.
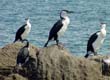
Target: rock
<point x="9" y="53"/>
<point x="8" y="56"/>
<point x="106" y="66"/>
<point x="54" y="63"/>
<point x="15" y="77"/>
<point x="50" y="63"/>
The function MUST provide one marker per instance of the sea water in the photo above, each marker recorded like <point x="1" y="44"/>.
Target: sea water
<point x="86" y="19"/>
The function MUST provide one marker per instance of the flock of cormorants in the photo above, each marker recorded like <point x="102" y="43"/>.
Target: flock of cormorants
<point x="58" y="29"/>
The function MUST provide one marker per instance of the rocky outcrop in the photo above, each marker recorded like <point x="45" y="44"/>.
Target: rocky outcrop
<point x="8" y="56"/>
<point x="50" y="63"/>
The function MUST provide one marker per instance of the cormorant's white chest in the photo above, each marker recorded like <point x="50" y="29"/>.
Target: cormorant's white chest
<point x="27" y="30"/>
<point x="65" y="23"/>
<point x="99" y="41"/>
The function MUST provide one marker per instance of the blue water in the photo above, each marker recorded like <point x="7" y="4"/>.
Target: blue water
<point x="44" y="13"/>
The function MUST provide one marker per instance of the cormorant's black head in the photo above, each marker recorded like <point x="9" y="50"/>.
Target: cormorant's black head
<point x="26" y="18"/>
<point x="27" y="42"/>
<point x="64" y="13"/>
<point x="67" y="11"/>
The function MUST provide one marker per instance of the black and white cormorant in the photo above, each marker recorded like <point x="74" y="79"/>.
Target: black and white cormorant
<point x="59" y="27"/>
<point x="23" y="55"/>
<point x="23" y="31"/>
<point x="95" y="41"/>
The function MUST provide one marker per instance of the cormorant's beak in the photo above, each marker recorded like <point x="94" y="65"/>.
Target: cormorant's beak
<point x="70" y="11"/>
<point x="102" y="23"/>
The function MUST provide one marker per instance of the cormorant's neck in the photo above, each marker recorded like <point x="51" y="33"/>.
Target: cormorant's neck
<point x="103" y="30"/>
<point x="64" y="18"/>
<point x="103" y="26"/>
<point x="27" y="22"/>
<point x="27" y="44"/>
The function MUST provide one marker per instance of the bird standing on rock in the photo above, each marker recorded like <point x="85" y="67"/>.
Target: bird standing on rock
<point x="23" y="31"/>
<point x="95" y="41"/>
<point x="59" y="27"/>
<point x="23" y="55"/>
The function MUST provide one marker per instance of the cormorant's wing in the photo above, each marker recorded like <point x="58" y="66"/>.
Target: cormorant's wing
<point x="57" y="26"/>
<point x="22" y="55"/>
<point x="92" y="39"/>
<point x="20" y="30"/>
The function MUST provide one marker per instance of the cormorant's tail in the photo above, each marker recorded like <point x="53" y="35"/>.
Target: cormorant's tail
<point x="49" y="38"/>
<point x="46" y="44"/>
<point x="17" y="39"/>
<point x="87" y="55"/>
<point x="14" y="40"/>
